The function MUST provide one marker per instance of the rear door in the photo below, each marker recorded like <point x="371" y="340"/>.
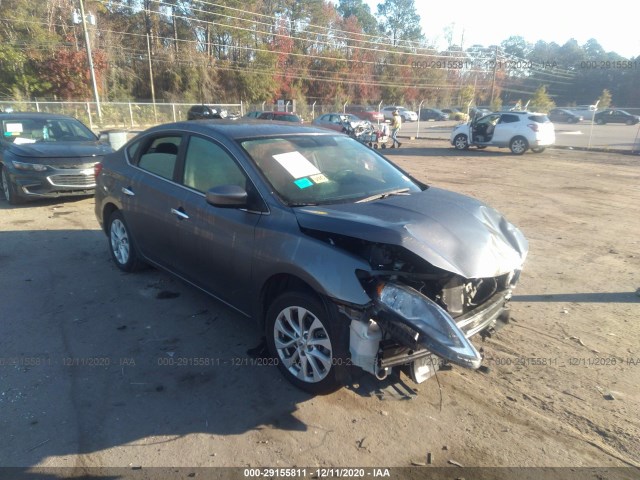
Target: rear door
<point x="150" y="195"/>
<point x="506" y="129"/>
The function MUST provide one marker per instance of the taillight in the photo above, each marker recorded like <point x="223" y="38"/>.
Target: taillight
<point x="533" y="126"/>
<point x="97" y="168"/>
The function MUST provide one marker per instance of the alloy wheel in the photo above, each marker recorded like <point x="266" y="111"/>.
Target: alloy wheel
<point x="302" y="343"/>
<point x="120" y="244"/>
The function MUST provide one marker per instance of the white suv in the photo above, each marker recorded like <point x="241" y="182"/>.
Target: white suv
<point x="406" y="115"/>
<point x="517" y="130"/>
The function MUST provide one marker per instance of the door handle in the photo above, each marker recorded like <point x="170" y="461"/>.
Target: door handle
<point x="128" y="191"/>
<point x="180" y="213"/>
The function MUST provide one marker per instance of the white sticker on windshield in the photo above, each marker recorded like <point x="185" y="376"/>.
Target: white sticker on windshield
<point x="13" y="127"/>
<point x="23" y="141"/>
<point x="296" y="164"/>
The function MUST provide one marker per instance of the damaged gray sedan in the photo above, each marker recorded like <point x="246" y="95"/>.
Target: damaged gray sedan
<point x="344" y="260"/>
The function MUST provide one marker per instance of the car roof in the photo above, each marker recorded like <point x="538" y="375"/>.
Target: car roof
<point x="242" y="129"/>
<point x="282" y="113"/>
<point x="34" y="115"/>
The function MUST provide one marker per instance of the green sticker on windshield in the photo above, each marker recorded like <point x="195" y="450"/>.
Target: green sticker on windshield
<point x="303" y="183"/>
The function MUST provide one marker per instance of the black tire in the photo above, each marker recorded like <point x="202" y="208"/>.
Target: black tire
<point x="629" y="122"/>
<point x="518" y="145"/>
<point x="121" y="244"/>
<point x="600" y="121"/>
<point x="537" y="149"/>
<point x="9" y="189"/>
<point x="461" y="142"/>
<point x="315" y="360"/>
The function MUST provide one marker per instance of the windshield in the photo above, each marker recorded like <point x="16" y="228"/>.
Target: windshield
<point x="323" y="169"/>
<point x="32" y="130"/>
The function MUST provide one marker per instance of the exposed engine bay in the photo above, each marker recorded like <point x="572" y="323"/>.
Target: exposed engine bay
<point x="420" y="316"/>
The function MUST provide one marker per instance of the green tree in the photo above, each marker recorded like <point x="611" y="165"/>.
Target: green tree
<point x="400" y="22"/>
<point x="362" y="12"/>
<point x="605" y="99"/>
<point x="516" y="46"/>
<point x="541" y="101"/>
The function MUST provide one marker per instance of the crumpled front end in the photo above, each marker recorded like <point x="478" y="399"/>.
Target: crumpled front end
<point x="424" y="312"/>
<point x="441" y="271"/>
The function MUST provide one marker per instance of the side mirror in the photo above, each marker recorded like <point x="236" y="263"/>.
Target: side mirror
<point x="227" y="196"/>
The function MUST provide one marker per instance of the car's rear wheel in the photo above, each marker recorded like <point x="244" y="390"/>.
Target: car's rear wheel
<point x="518" y="145"/>
<point x="309" y="343"/>
<point x="122" y="247"/>
<point x="460" y="142"/>
<point x="600" y="121"/>
<point x="9" y="189"/>
<point x="537" y="149"/>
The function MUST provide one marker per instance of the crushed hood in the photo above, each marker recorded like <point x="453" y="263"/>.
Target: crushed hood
<point x="450" y="231"/>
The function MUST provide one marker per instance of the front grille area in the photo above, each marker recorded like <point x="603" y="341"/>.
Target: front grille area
<point x="81" y="181"/>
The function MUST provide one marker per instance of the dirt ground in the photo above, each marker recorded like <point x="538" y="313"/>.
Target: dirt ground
<point x="101" y="368"/>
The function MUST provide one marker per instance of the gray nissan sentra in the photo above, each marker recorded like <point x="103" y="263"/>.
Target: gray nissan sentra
<point x="343" y="259"/>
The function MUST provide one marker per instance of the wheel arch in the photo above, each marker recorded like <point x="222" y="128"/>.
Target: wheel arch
<point x="107" y="211"/>
<point x="278" y="284"/>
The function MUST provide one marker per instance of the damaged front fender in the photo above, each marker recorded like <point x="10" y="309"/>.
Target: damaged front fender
<point x="437" y="331"/>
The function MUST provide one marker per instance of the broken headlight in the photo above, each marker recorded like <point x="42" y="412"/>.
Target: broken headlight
<point x="438" y="331"/>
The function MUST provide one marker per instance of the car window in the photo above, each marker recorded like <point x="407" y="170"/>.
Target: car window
<point x="509" y="119"/>
<point x="31" y="130"/>
<point x="489" y="119"/>
<point x="160" y="156"/>
<point x="208" y="165"/>
<point x="539" y="118"/>
<point x="324" y="169"/>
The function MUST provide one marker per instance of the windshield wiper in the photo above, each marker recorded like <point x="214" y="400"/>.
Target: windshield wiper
<point x="378" y="196"/>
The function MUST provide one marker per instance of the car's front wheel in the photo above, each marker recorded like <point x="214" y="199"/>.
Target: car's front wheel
<point x="309" y="343"/>
<point x="518" y="145"/>
<point x="9" y="189"/>
<point x="122" y="247"/>
<point x="460" y="142"/>
<point x="629" y="122"/>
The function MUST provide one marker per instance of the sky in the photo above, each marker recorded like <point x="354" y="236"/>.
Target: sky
<point x="613" y="23"/>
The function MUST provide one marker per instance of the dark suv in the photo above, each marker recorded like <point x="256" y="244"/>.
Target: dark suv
<point x="199" y="112"/>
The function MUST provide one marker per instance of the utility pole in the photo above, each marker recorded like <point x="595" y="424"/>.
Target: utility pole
<point x="91" y="69"/>
<point x="495" y="68"/>
<point x="153" y="90"/>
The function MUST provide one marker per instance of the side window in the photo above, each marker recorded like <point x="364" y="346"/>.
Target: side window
<point x="207" y="165"/>
<point x="509" y="119"/>
<point x="160" y="156"/>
